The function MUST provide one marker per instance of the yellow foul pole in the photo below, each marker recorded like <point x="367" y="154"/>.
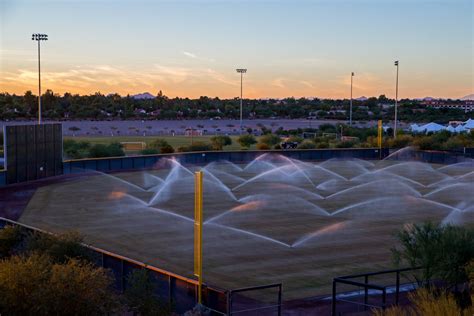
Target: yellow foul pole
<point x="379" y="137"/>
<point x="198" y="230"/>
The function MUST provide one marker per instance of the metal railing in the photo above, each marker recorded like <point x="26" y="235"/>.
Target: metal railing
<point x="348" y="280"/>
<point x="277" y="306"/>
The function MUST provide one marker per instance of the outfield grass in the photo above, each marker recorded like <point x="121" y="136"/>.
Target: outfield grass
<point x="270" y="221"/>
<point x="175" y="141"/>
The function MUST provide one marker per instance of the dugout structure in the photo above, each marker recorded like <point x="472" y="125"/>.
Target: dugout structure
<point x="33" y="152"/>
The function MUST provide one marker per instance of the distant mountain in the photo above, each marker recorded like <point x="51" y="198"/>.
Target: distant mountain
<point x="362" y="98"/>
<point x="468" y="97"/>
<point x="143" y="96"/>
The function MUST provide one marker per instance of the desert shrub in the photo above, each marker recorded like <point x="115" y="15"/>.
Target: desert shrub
<point x="327" y="128"/>
<point x="442" y="251"/>
<point x="34" y="285"/>
<point x="246" y="141"/>
<point x="454" y="143"/>
<point x="263" y="146"/>
<point x="425" y="302"/>
<point x="346" y="144"/>
<point x="307" y="144"/>
<point x="295" y="138"/>
<point x="425" y="143"/>
<point x="219" y="141"/>
<point x="196" y="146"/>
<point x="167" y="149"/>
<point x="270" y="139"/>
<point x="140" y="295"/>
<point x="110" y="150"/>
<point x="401" y="141"/>
<point x="161" y="145"/>
<point x="76" y="150"/>
<point x="322" y="145"/>
<point x="149" y="151"/>
<point x="60" y="248"/>
<point x="10" y="238"/>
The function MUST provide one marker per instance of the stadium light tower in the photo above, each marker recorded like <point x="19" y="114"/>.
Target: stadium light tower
<point x="350" y="110"/>
<point x="241" y="71"/>
<point x="39" y="37"/>
<point x="396" y="103"/>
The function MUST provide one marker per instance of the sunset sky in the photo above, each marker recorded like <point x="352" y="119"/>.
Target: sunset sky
<point x="191" y="48"/>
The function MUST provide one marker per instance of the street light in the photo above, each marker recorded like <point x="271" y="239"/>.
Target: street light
<point x="241" y="71"/>
<point x="350" y="111"/>
<point x="39" y="37"/>
<point x="396" y="104"/>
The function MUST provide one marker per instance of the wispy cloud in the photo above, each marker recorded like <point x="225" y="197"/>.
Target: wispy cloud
<point x="195" y="56"/>
<point x="190" y="55"/>
<point x="278" y="82"/>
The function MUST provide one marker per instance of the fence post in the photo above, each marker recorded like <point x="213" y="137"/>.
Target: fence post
<point x="333" y="298"/>
<point x="229" y="303"/>
<point x="366" y="292"/>
<point x="279" y="299"/>
<point x="384" y="298"/>
<point x="122" y="278"/>
<point x="398" y="287"/>
<point x="170" y="293"/>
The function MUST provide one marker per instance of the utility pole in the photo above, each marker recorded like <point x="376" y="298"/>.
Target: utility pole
<point x="396" y="104"/>
<point x="39" y="37"/>
<point x="350" y="110"/>
<point x="241" y="71"/>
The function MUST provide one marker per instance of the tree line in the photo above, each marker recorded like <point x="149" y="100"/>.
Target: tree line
<point x="115" y="107"/>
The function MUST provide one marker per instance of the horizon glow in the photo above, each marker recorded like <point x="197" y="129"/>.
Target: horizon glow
<point x="192" y="48"/>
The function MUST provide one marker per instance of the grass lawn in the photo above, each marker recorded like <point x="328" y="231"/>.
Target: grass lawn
<point x="301" y="225"/>
<point x="175" y="141"/>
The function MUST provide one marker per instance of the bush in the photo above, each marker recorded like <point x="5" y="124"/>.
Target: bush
<point x="10" y="238"/>
<point x="34" y="285"/>
<point x="111" y="150"/>
<point x="307" y="144"/>
<point x="196" y="146"/>
<point x="60" y="248"/>
<point x="218" y="142"/>
<point x="76" y="150"/>
<point x="346" y="144"/>
<point x="425" y="302"/>
<point x="322" y="145"/>
<point x="162" y="146"/>
<point x="454" y="143"/>
<point x="401" y="141"/>
<point x="246" y="140"/>
<point x="167" y="149"/>
<point x="294" y="138"/>
<point x="262" y="146"/>
<point x="140" y="295"/>
<point x="425" y="143"/>
<point x="270" y="139"/>
<point x="149" y="151"/>
<point x="442" y="251"/>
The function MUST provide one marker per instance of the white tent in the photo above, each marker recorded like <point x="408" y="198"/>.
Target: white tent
<point x="452" y="129"/>
<point x="414" y="127"/>
<point x="469" y="124"/>
<point x="431" y="127"/>
<point x="460" y="128"/>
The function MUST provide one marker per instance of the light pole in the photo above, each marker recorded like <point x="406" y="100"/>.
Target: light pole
<point x="241" y="71"/>
<point x="350" y="110"/>
<point x="396" y="104"/>
<point x="39" y="37"/>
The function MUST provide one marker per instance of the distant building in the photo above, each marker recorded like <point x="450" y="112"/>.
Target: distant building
<point x="467" y="105"/>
